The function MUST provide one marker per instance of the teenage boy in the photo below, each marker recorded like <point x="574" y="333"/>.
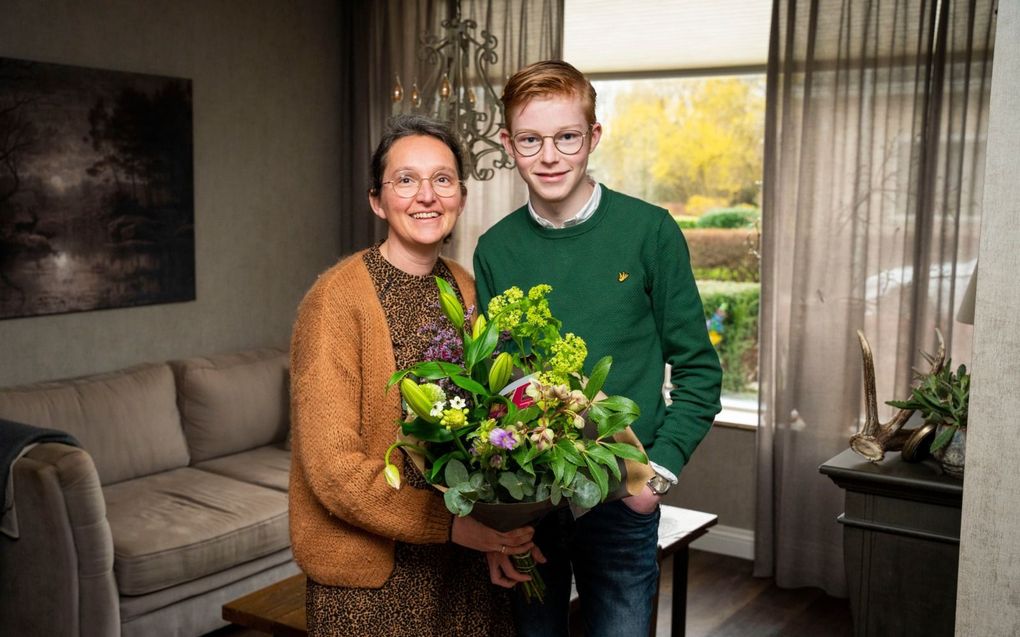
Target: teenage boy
<point x="621" y="278"/>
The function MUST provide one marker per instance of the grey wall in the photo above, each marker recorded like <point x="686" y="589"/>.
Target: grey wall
<point x="266" y="110"/>
<point x="720" y="477"/>
<point x="988" y="596"/>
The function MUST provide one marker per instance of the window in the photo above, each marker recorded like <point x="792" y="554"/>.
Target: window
<point x="681" y="96"/>
<point x="693" y="145"/>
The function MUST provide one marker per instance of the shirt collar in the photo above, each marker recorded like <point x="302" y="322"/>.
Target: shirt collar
<point x="585" y="213"/>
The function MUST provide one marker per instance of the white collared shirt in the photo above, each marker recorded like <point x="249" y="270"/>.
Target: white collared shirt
<point x="585" y="213"/>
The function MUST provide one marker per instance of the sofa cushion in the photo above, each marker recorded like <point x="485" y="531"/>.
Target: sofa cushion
<point x="177" y="526"/>
<point x="127" y="420"/>
<point x="232" y="402"/>
<point x="268" y="466"/>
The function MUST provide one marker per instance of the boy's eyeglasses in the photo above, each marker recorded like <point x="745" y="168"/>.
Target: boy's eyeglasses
<point x="568" y="142"/>
<point x="407" y="185"/>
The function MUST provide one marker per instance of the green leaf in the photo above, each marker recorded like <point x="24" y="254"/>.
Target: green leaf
<point x="396" y="378"/>
<point x="598" y="377"/>
<point x="568" y="473"/>
<point x="525" y="415"/>
<point x="620" y="404"/>
<point x="440" y="462"/>
<point x="626" y="451"/>
<point x="512" y="484"/>
<point x="427" y="431"/>
<point x="457" y="503"/>
<point x="555" y="493"/>
<point x="605" y="457"/>
<point x="433" y="370"/>
<point x="543" y="490"/>
<point x="570" y="452"/>
<point x="527" y="482"/>
<point x="614" y="423"/>
<point x="599" y="475"/>
<point x="456" y="474"/>
<point x="558" y="465"/>
<point x="585" y="492"/>
<point x="466" y="383"/>
<point x="483" y="347"/>
<point x="943" y="438"/>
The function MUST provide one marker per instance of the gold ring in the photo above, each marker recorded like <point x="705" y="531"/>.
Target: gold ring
<point x="502" y="548"/>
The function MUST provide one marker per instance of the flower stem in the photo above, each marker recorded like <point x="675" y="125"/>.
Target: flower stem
<point x="534" y="589"/>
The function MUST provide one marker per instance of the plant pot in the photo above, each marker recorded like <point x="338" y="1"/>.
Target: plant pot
<point x="953" y="454"/>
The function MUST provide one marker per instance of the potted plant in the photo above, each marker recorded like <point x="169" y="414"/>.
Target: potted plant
<point x="942" y="397"/>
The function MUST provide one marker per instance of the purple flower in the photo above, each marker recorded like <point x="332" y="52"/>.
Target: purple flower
<point x="502" y="438"/>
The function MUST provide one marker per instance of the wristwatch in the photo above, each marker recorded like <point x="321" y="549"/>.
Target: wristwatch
<point x="662" y="479"/>
<point x="659" y="484"/>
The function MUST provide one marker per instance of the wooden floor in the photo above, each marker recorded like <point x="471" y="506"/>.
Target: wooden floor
<point x="724" y="600"/>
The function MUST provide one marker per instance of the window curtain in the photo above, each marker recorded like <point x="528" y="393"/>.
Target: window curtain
<point x="874" y="153"/>
<point x="526" y="31"/>
<point x="381" y="40"/>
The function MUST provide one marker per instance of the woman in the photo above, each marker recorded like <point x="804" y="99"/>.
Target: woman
<point x="382" y="561"/>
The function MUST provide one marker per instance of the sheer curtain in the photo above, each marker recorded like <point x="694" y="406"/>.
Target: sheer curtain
<point x="527" y="31"/>
<point x="875" y="138"/>
<point x="380" y="43"/>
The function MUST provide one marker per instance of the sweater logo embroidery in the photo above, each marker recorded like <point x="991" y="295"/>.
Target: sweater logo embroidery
<point x="623" y="276"/>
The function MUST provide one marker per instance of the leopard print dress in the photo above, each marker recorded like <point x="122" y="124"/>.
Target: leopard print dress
<point x="438" y="590"/>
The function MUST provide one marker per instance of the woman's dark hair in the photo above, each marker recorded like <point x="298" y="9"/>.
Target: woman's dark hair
<point x="401" y="126"/>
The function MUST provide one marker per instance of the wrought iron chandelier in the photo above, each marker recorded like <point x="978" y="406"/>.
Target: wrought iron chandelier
<point x="457" y="91"/>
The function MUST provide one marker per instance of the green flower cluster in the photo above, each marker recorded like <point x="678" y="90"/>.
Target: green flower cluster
<point x="568" y="355"/>
<point x="503" y="311"/>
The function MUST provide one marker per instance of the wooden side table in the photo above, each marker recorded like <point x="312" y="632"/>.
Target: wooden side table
<point x="901" y="542"/>
<point x="279" y="609"/>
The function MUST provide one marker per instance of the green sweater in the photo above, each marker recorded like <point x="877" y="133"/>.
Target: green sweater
<point x="622" y="281"/>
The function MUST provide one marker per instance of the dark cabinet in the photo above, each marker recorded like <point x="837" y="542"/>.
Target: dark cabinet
<point x="901" y="543"/>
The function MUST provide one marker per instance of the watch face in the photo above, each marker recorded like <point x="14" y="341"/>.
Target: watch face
<point x="658" y="485"/>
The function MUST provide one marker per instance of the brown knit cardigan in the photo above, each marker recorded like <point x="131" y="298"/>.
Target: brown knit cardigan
<point x="344" y="517"/>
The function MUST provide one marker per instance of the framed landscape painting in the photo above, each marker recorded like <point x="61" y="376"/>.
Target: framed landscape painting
<point x="96" y="189"/>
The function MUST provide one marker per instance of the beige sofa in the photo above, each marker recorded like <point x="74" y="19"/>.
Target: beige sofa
<point x="176" y="503"/>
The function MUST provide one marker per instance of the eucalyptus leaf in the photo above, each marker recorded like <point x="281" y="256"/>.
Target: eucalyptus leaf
<point x="585" y="492"/>
<point x="555" y="493"/>
<point x="512" y="484"/>
<point x="457" y="503"/>
<point x="456" y="473"/>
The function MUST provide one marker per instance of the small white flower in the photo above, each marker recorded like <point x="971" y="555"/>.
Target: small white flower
<point x="437" y="409"/>
<point x="457" y="403"/>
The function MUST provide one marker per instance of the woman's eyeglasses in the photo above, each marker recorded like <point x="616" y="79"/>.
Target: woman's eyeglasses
<point x="407" y="185"/>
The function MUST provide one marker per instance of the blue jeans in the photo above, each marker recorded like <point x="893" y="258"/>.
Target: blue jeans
<point x="611" y="553"/>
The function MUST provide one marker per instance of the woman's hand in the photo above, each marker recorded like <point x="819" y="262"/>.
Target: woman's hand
<point x="472" y="534"/>
<point x="502" y="571"/>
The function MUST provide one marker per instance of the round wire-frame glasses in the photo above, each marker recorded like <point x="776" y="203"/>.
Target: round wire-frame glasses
<point x="568" y="142"/>
<point x="407" y="185"/>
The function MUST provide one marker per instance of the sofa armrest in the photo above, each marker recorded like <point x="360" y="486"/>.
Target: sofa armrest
<point x="57" y="578"/>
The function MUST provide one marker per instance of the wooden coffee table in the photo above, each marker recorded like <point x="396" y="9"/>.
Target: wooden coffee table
<point x="279" y="609"/>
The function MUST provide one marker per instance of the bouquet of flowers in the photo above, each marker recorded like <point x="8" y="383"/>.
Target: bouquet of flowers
<point x="548" y="438"/>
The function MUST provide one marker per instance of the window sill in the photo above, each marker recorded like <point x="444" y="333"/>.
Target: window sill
<point x="737" y="415"/>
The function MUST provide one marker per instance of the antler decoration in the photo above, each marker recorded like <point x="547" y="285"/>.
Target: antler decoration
<point x="875" y="438"/>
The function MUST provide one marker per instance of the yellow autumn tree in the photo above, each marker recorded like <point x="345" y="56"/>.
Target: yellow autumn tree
<point x="682" y="138"/>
